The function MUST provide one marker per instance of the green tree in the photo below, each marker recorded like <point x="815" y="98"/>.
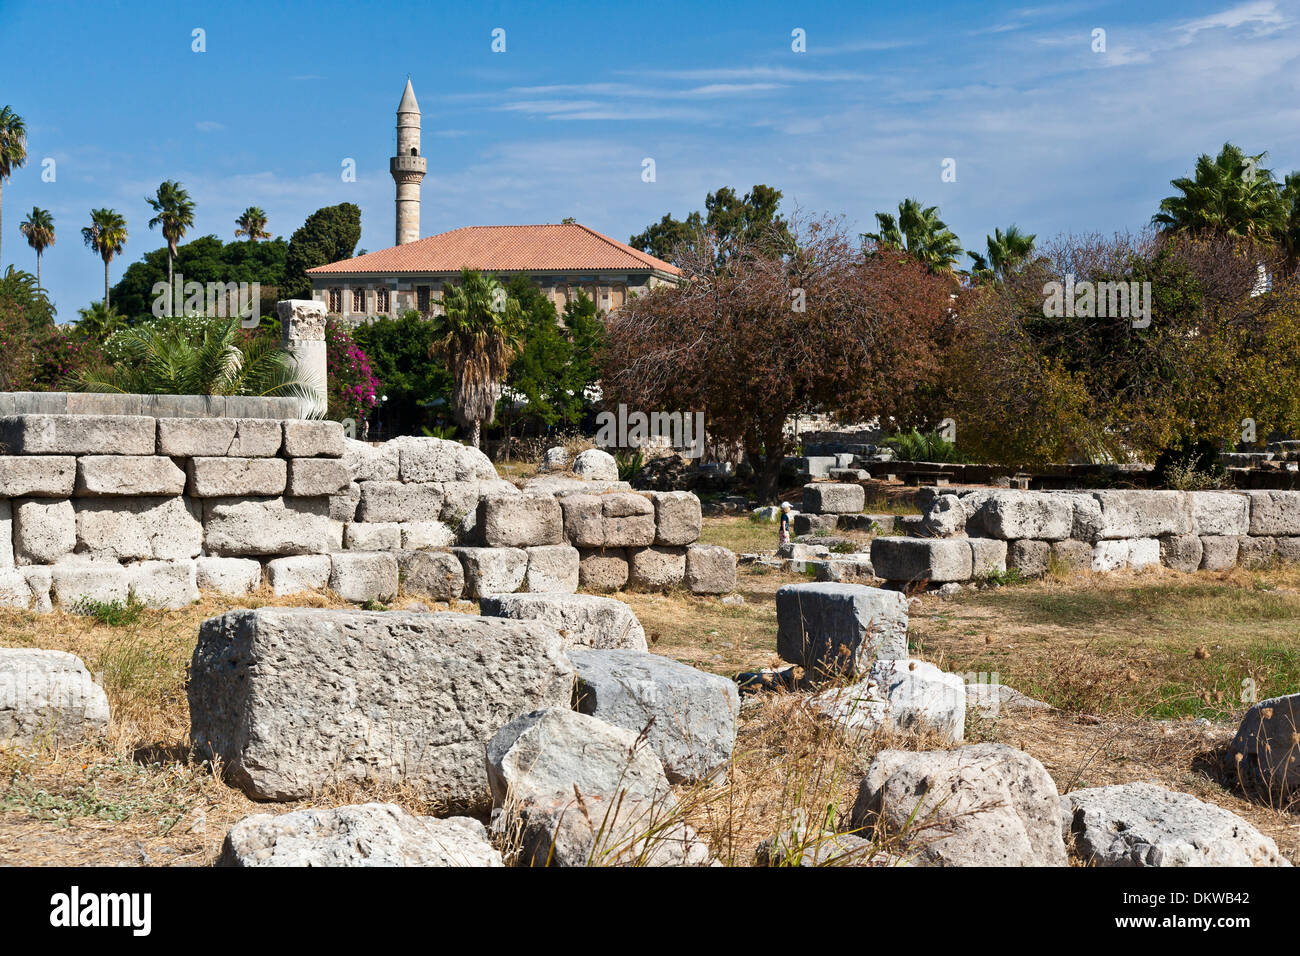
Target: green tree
<point x="98" y="321"/>
<point x="477" y="335"/>
<point x="329" y="235"/>
<point x="1005" y="252"/>
<point x="399" y="351"/>
<point x="753" y="219"/>
<point x="196" y="357"/>
<point x="1228" y="195"/>
<point x="106" y="235"/>
<point x="13" y="149"/>
<point x="252" y="223"/>
<point x="920" y="233"/>
<point x="25" y="316"/>
<point x="203" y="260"/>
<point x="38" y="227"/>
<point x="174" y="213"/>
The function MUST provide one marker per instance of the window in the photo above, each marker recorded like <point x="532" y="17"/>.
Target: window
<point x="335" y="300"/>
<point x="422" y="299"/>
<point x="381" y="301"/>
<point x="359" y="300"/>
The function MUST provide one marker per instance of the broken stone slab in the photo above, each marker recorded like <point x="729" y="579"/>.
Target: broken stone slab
<point x="370" y="834"/>
<point x="76" y="580"/>
<point x="25" y="588"/>
<point x="1014" y="515"/>
<point x="230" y="477"/>
<point x="687" y="716"/>
<point x="492" y="570"/>
<point x="367" y="462"/>
<point x="298" y="573"/>
<point x="990" y="700"/>
<point x="945" y="517"/>
<point x="48" y="696"/>
<point x="1264" y="756"/>
<point x="128" y="475"/>
<point x="167" y="585"/>
<point x="656" y="568"/>
<point x="839" y="628"/>
<point x="582" y="620"/>
<point x="710" y="569"/>
<point x="313" y="439"/>
<point x="520" y="521"/>
<point x="238" y="527"/>
<point x="132" y="529"/>
<point x="1141" y="825"/>
<point x="602" y="570"/>
<point x="310" y="477"/>
<point x="678" y="518"/>
<point x="1142" y="514"/>
<point x="362" y="576"/>
<point x="333" y="710"/>
<point x="432" y="574"/>
<point x="37" y="476"/>
<point x="233" y="577"/>
<point x="595" y="465"/>
<point x="372" y="536"/>
<point x="436" y="459"/>
<point x="78" y="435"/>
<point x="44" y="530"/>
<point x="824" y="497"/>
<point x="552" y="567"/>
<point x="400" y="501"/>
<point x="978" y="805"/>
<point x="937" y="560"/>
<point x="898" y="696"/>
<point x="600" y="831"/>
<point x="616" y="520"/>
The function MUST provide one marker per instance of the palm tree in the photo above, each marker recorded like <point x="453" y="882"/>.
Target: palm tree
<point x="13" y="147"/>
<point x="172" y="358"/>
<point x="919" y="232"/>
<point x="98" y="321"/>
<point x="1230" y="195"/>
<point x="477" y="335"/>
<point x="252" y="223"/>
<point x="38" y="227"/>
<point x="106" y="234"/>
<point x="175" y="214"/>
<point x="1006" y="250"/>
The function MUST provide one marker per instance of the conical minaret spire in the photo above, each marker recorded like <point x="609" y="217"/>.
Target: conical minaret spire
<point x="408" y="166"/>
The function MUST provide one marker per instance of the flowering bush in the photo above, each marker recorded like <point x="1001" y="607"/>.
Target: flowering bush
<point x="353" y="388"/>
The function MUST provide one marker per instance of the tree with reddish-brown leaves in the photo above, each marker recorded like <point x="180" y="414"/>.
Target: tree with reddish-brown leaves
<point x="760" y="331"/>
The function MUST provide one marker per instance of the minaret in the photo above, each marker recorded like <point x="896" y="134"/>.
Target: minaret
<point x="408" y="167"/>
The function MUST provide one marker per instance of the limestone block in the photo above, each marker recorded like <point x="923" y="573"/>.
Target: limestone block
<point x="595" y="465"/>
<point x="602" y="570"/>
<point x="1072" y="554"/>
<point x="399" y="501"/>
<point x="129" y="529"/>
<point x="898" y="696"/>
<point x="1016" y="515"/>
<point x="937" y="560"/>
<point x="298" y="573"/>
<point x="128" y="475"/>
<point x="1143" y="514"/>
<point x="1219" y="512"/>
<point x="710" y="569"/>
<point x="44" y="530"/>
<point x="273" y="526"/>
<point x="197" y="437"/>
<point x="422" y="535"/>
<point x="432" y="574"/>
<point x="1181" y="552"/>
<point x="833" y="498"/>
<point x="309" y="477"/>
<point x="581" y="620"/>
<point x="1030" y="558"/>
<point x="40" y="579"/>
<point x="840" y="628"/>
<point x="436" y="459"/>
<point x="1274" y="513"/>
<point x="77" y="435"/>
<point x="163" y="584"/>
<point x="75" y="579"/>
<point x="372" y="536"/>
<point x="520" y="521"/>
<point x="37" y="476"/>
<point x="48" y="697"/>
<point x="655" y="568"/>
<point x="313" y="439"/>
<point x="1219" y="552"/>
<point x="552" y="567"/>
<point x="492" y="570"/>
<point x="1255" y="551"/>
<point x="257" y="438"/>
<point x="361" y="576"/>
<point x="229" y="477"/>
<point x="988" y="556"/>
<point x="367" y="462"/>
<point x="614" y="520"/>
<point x="343" y="507"/>
<point x="678" y="518"/>
<point x="233" y="577"/>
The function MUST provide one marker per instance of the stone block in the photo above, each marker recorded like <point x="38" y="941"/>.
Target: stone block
<point x="655" y="568"/>
<point x="48" y="697"/>
<point x="367" y="462"/>
<point x="436" y="459"/>
<point x="552" y="567"/>
<point x="44" y="530"/>
<point x="257" y="438"/>
<point x="988" y="556"/>
<point x="1143" y="514"/>
<point x="1072" y="555"/>
<point x="238" y="527"/>
<point x="581" y="620"/>
<point x="343" y="507"/>
<point x="1219" y="512"/>
<point x="232" y="577"/>
<point x="833" y="498"/>
<point x="37" y="476"/>
<point x="896" y="697"/>
<point x="334" y="711"/>
<point x="1256" y="551"/>
<point x="423" y="535"/>
<point x="614" y="520"/>
<point x="310" y="477"/>
<point x="1017" y="515"/>
<point x="688" y="716"/>
<point x="1219" y="552"/>
<point x="1262" y="755"/>
<point x="492" y="570"/>
<point x="520" y="521"/>
<point x="40" y="579"/>
<point x="595" y="465"/>
<point x="1181" y="552"/>
<point x="6" y="533"/>
<point x="313" y="439"/>
<point x="163" y="584"/>
<point x="678" y="518"/>
<point x="75" y="579"/>
<point x="298" y="573"/>
<point x="937" y="560"/>
<point x="1031" y="558"/>
<point x="372" y="536"/>
<point x="197" y="437"/>
<point x="128" y="475"/>
<point x="78" y="435"/>
<point x="710" y="569"/>
<point x="361" y="576"/>
<point x="131" y="529"/>
<point x="231" y="477"/>
<point x="1274" y="513"/>
<point x="814" y="524"/>
<point x="602" y="570"/>
<point x="399" y="501"/>
<point x="431" y="574"/>
<point x="840" y="628"/>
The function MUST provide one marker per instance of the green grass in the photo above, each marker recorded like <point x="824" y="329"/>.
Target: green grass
<point x="112" y="613"/>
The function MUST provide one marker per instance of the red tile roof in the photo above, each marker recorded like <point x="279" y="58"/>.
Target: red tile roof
<point x="551" y="248"/>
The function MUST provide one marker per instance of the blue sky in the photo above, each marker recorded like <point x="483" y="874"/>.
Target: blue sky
<point x="1046" y="133"/>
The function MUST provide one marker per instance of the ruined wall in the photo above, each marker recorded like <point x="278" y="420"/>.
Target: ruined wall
<point x="102" y="507"/>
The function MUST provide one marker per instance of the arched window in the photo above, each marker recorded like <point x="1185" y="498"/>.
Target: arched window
<point x="414" y="151"/>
